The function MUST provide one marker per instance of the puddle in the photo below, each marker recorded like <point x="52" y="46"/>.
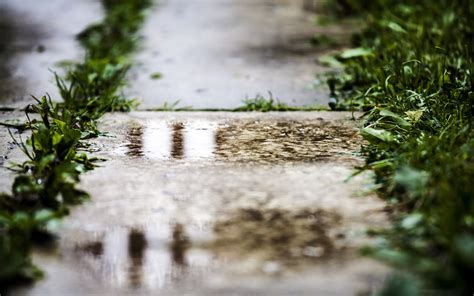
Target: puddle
<point x="135" y="138"/>
<point x="137" y="245"/>
<point x="243" y="141"/>
<point x="128" y="259"/>
<point x="275" y="240"/>
<point x="96" y="249"/>
<point x="287" y="141"/>
<point x="179" y="245"/>
<point x="267" y="242"/>
<point x="160" y="140"/>
<point x="177" y="141"/>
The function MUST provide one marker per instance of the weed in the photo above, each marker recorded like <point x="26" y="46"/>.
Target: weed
<point x="262" y="104"/>
<point x="172" y="107"/>
<point x="156" y="76"/>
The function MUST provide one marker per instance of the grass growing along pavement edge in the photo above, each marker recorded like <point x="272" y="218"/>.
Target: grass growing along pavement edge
<point x="257" y="104"/>
<point x="412" y="71"/>
<point x="45" y="186"/>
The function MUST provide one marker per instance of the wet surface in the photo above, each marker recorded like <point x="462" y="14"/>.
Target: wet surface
<point x="170" y="214"/>
<point x="285" y="141"/>
<point x="9" y="151"/>
<point x="282" y="239"/>
<point x="216" y="53"/>
<point x="260" y="141"/>
<point x="34" y="37"/>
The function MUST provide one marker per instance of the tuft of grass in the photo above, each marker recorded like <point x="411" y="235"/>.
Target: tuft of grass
<point x="156" y="76"/>
<point x="45" y="186"/>
<point x="262" y="104"/>
<point x="412" y="71"/>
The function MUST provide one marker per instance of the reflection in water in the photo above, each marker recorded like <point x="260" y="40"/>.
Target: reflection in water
<point x="179" y="245"/>
<point x="135" y="138"/>
<point x="287" y="238"/>
<point x="156" y="140"/>
<point x="136" y="250"/>
<point x="96" y="249"/>
<point x="177" y="146"/>
<point x="162" y="140"/>
<point x="141" y="259"/>
<point x="114" y="263"/>
<point x="244" y="141"/>
<point x="286" y="141"/>
<point x="200" y="140"/>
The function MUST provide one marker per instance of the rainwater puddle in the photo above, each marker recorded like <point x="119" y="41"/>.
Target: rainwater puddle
<point x="122" y="259"/>
<point x="242" y="141"/>
<point x="160" y="140"/>
<point x="277" y="240"/>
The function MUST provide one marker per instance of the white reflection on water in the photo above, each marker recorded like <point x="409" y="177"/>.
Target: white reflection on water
<point x="115" y="259"/>
<point x="199" y="140"/>
<point x="193" y="140"/>
<point x="157" y="140"/>
<point x="141" y="259"/>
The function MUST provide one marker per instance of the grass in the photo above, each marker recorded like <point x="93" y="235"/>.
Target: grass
<point x="412" y="72"/>
<point x="262" y="104"/>
<point x="257" y="104"/>
<point x="45" y="186"/>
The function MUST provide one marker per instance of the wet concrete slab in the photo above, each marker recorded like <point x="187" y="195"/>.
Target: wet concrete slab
<point x="34" y="37"/>
<point x="219" y="204"/>
<point x="216" y="53"/>
<point x="10" y="153"/>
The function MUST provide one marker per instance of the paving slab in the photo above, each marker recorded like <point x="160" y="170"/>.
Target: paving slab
<point x="216" y="53"/>
<point x="219" y="203"/>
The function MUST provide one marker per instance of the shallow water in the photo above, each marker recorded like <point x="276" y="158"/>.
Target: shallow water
<point x="242" y="141"/>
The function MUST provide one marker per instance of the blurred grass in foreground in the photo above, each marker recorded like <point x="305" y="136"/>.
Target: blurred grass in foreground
<point x="412" y="70"/>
